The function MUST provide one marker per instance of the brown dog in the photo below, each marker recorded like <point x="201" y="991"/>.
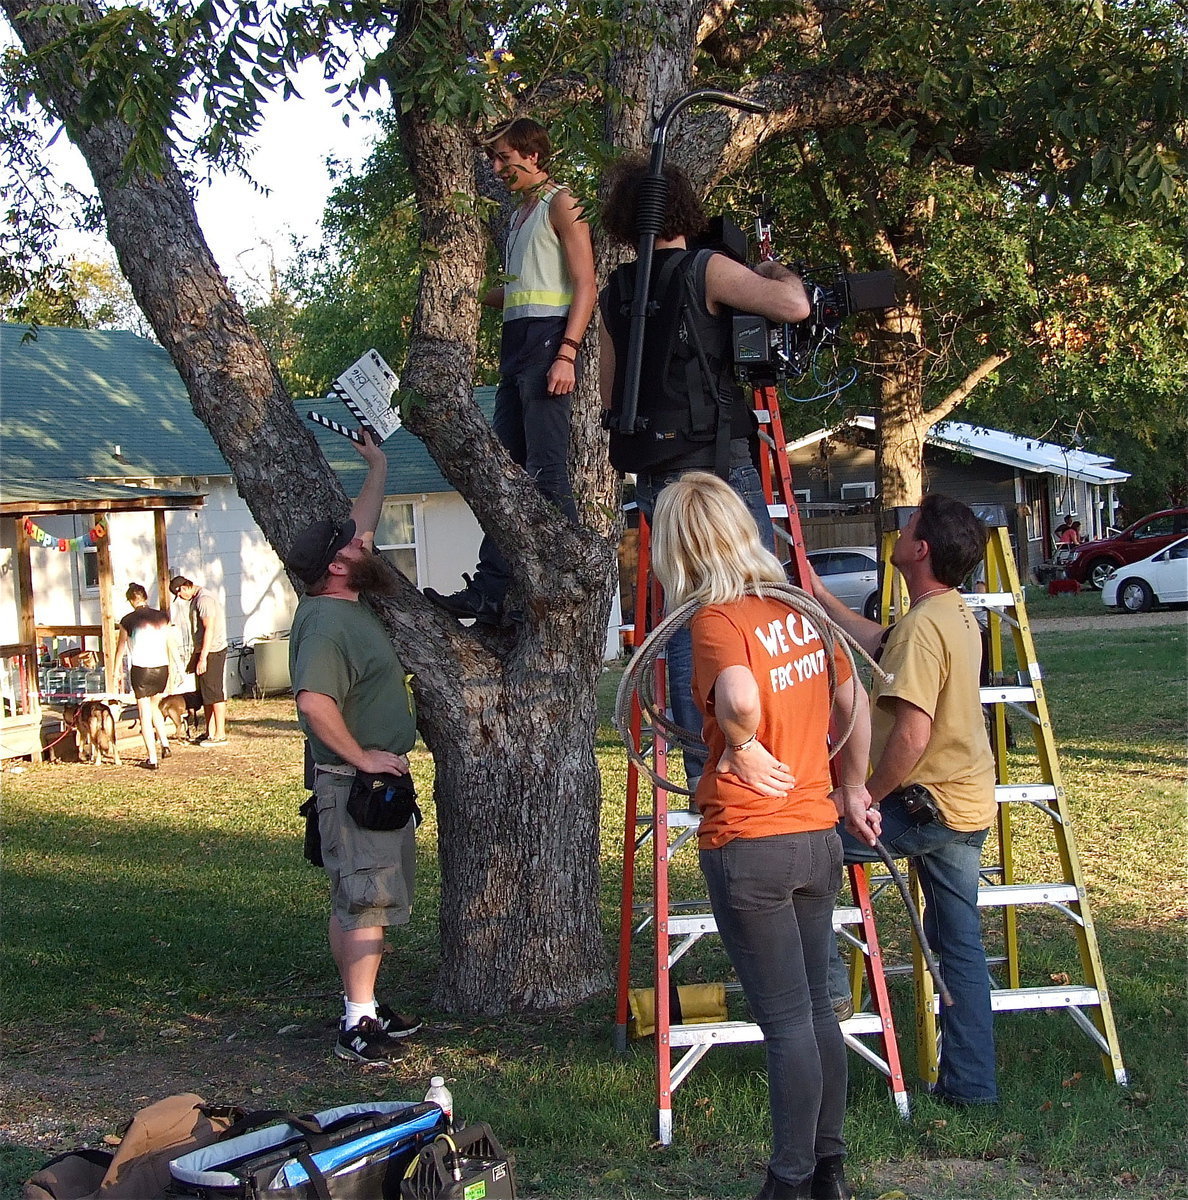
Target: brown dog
<point x="183" y="709"/>
<point x="94" y="724"/>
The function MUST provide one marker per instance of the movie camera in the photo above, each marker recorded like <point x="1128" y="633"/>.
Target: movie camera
<point x="766" y="352"/>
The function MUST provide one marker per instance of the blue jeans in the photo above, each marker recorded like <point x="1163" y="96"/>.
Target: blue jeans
<point x="534" y="428"/>
<point x="947" y="862"/>
<point x="773" y="902"/>
<point x="679" y="652"/>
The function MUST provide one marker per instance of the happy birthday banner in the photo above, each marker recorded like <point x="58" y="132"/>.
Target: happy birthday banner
<point x="39" y="535"/>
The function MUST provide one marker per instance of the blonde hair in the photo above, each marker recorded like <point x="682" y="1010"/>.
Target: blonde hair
<point x="705" y="544"/>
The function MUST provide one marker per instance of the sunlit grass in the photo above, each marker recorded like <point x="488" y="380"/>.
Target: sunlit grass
<point x="136" y="907"/>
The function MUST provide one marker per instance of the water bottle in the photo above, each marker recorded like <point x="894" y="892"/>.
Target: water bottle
<point x="439" y="1094"/>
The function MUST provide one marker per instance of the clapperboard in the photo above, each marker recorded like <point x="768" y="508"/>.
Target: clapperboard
<point x="366" y="388"/>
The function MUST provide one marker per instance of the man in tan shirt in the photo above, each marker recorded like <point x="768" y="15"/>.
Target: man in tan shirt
<point x="933" y="772"/>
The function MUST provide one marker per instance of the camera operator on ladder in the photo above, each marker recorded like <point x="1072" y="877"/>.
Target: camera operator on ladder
<point x="692" y="414"/>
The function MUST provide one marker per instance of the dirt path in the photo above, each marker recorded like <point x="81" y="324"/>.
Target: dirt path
<point x="1108" y="620"/>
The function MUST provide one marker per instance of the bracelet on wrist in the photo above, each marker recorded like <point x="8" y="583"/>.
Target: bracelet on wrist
<point x="562" y="358"/>
<point x="571" y="342"/>
<point x="743" y="745"/>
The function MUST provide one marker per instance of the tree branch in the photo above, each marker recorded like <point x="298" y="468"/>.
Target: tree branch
<point x="717" y="142"/>
<point x="957" y="396"/>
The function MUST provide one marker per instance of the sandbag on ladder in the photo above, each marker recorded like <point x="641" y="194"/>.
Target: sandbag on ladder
<point x="354" y="1152"/>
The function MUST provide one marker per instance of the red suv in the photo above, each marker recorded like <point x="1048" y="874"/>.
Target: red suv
<point x="1092" y="562"/>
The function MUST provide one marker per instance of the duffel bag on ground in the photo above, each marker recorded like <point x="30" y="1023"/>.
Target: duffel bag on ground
<point x="354" y="1152"/>
<point x="138" y="1169"/>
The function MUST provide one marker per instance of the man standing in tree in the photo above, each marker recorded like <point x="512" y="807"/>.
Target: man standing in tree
<point x="354" y="707"/>
<point x="208" y="623"/>
<point x="547" y="302"/>
<point x="933" y="772"/>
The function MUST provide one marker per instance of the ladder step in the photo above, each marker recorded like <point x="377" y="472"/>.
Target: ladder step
<point x="723" y="1032"/>
<point x="1007" y="695"/>
<point x="676" y="818"/>
<point x="715" y="1033"/>
<point x="703" y="922"/>
<point x="1025" y="793"/>
<point x="989" y="599"/>
<point x="1028" y="893"/>
<point x="1021" y="999"/>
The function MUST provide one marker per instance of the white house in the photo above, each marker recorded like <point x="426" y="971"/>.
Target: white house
<point x="98" y="431"/>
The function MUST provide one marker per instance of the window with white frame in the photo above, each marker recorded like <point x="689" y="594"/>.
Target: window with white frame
<point x="857" y="491"/>
<point x="88" y="559"/>
<point x="396" y="537"/>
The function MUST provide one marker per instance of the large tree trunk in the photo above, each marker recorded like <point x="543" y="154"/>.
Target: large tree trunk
<point x="512" y="724"/>
<point x="903" y="424"/>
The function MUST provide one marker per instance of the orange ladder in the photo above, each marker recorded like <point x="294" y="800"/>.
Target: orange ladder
<point x="677" y="926"/>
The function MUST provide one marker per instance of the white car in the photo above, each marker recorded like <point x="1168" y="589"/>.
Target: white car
<point x="1162" y="578"/>
<point x="851" y="573"/>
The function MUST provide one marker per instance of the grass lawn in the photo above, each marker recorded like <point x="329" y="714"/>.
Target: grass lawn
<point x="163" y="934"/>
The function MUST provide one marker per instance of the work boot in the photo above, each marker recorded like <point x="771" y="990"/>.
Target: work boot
<point x="775" y="1188"/>
<point x="467" y="603"/>
<point x="829" y="1180"/>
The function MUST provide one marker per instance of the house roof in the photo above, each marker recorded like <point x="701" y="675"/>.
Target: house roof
<point x="82" y="495"/>
<point x="75" y="398"/>
<point x="996" y="445"/>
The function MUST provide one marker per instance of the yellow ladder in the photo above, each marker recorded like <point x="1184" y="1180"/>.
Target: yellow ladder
<point x="1086" y="1001"/>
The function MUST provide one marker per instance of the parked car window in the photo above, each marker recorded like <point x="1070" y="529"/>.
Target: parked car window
<point x="1160" y="527"/>
<point x="1179" y="550"/>
<point x="853" y="562"/>
<point x="826" y="564"/>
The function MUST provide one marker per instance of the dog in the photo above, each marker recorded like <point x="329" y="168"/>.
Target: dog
<point x="184" y="709"/>
<point x="94" y="723"/>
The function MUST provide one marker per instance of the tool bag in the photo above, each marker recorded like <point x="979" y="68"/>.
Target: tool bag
<point x="469" y="1165"/>
<point x="138" y="1169"/>
<point x="354" y="1152"/>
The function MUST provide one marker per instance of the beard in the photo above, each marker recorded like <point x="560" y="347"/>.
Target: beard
<point x="370" y="574"/>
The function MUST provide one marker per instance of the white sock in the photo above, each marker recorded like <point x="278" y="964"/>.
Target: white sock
<point x="354" y="1013"/>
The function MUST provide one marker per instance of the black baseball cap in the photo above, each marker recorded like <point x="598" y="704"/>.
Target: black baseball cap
<point x="314" y="548"/>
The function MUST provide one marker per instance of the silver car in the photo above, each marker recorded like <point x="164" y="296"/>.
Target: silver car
<point x="851" y="573"/>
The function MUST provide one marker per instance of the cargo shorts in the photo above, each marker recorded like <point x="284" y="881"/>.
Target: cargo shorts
<point x="371" y="872"/>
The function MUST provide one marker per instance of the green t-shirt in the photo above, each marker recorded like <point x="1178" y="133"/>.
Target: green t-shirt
<point x="339" y="649"/>
<point x="933" y="654"/>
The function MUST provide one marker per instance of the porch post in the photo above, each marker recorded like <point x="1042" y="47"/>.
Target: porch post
<point x="107" y="621"/>
<point x="27" y="623"/>
<point x="162" y="548"/>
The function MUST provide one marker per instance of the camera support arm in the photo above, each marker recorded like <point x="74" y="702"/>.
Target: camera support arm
<point x="649" y="220"/>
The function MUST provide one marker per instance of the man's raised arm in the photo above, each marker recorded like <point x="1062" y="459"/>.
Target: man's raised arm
<point x="365" y="512"/>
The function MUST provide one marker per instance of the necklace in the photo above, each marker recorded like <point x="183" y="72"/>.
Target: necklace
<point x="932" y="592"/>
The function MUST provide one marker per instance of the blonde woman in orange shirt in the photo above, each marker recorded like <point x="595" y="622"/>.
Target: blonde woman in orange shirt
<point x="769" y="849"/>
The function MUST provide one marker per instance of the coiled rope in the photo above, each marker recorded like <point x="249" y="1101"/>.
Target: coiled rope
<point x="638" y="682"/>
